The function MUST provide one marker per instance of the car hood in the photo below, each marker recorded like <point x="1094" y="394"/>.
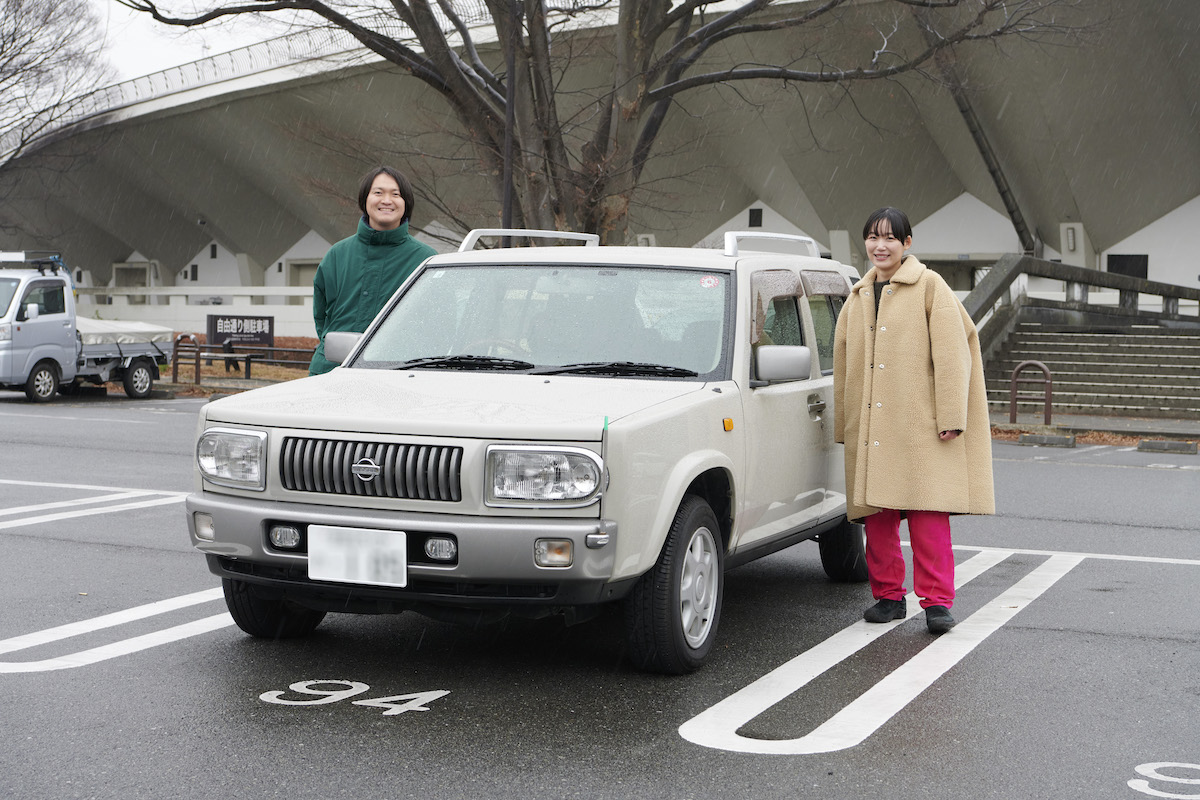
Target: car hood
<point x="456" y="404"/>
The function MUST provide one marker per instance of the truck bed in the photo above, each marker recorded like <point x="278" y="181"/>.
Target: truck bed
<point x="104" y="338"/>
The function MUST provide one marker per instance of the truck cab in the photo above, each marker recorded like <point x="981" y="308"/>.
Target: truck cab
<point x="37" y="330"/>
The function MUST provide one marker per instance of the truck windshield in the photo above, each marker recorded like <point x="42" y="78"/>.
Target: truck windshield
<point x="595" y="320"/>
<point x="8" y="288"/>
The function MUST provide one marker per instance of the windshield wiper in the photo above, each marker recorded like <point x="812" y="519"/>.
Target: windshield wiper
<point x="621" y="368"/>
<point x="465" y="362"/>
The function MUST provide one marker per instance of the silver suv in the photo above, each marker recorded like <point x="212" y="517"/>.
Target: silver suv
<point x="539" y="430"/>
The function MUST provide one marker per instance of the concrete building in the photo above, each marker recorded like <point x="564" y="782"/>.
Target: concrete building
<point x="236" y="171"/>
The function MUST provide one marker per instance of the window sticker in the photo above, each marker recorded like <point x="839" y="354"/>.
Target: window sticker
<point x="710" y="281"/>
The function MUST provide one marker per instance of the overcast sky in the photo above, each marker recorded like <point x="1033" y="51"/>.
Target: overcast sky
<point x="136" y="45"/>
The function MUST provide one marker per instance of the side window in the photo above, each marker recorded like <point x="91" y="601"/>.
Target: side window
<point x="48" y="298"/>
<point x="824" y="317"/>
<point x="782" y="323"/>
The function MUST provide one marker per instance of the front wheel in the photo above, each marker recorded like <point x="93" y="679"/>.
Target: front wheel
<point x="672" y="613"/>
<point x="265" y="613"/>
<point x="138" y="380"/>
<point x="843" y="553"/>
<point x="42" y="384"/>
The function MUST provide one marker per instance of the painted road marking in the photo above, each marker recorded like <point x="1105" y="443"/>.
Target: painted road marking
<point x="104" y="498"/>
<point x="115" y="493"/>
<point x="121" y="648"/>
<point x="718" y="726"/>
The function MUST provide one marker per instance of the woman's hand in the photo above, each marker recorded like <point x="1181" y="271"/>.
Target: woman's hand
<point x="946" y="436"/>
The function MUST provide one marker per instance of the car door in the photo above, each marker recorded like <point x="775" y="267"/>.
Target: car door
<point x="784" y="489"/>
<point x="50" y="334"/>
<point x="824" y="294"/>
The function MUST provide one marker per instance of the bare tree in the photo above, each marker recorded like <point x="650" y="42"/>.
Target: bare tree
<point x="48" y="59"/>
<point x="575" y="159"/>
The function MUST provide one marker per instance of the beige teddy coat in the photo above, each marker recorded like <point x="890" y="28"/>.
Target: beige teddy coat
<point x="898" y="382"/>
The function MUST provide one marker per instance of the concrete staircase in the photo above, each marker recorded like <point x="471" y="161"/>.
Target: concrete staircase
<point x="1141" y="371"/>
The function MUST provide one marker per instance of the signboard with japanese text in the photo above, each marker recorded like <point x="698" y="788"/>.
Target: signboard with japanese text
<point x="258" y="331"/>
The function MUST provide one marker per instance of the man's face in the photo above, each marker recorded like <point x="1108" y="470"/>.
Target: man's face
<point x="385" y="206"/>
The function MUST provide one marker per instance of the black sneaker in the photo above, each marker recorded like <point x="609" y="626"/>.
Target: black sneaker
<point x="886" y="611"/>
<point x="938" y="619"/>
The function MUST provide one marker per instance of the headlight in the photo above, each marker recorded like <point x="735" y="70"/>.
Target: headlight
<point x="6" y="332"/>
<point x="233" y="458"/>
<point x="562" y="477"/>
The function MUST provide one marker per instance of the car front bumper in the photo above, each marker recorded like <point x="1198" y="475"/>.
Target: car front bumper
<point x="495" y="563"/>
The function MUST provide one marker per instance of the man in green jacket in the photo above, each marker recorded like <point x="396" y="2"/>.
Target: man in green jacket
<point x="360" y="273"/>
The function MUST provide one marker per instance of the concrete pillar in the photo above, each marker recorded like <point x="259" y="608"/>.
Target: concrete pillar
<point x="250" y="274"/>
<point x="1075" y="246"/>
<point x="840" y="249"/>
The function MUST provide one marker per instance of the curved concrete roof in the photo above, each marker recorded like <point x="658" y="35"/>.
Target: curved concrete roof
<point x="1103" y="132"/>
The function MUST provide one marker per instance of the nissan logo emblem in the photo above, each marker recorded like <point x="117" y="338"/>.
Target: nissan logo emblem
<point x="365" y="470"/>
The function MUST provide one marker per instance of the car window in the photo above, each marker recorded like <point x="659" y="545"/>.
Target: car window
<point x="49" y="298"/>
<point x="824" y="317"/>
<point x="8" y="288"/>
<point x="556" y="315"/>
<point x="782" y="323"/>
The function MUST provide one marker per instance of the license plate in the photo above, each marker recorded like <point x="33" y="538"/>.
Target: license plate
<point x="357" y="555"/>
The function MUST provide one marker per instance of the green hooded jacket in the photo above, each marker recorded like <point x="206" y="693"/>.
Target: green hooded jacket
<point x="356" y="277"/>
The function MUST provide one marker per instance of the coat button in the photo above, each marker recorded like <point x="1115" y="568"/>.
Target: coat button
<point x="877" y="444"/>
<point x="879" y="405"/>
<point x="881" y="366"/>
<point x="884" y="328"/>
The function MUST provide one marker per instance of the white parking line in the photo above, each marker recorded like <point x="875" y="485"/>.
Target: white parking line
<point x="124" y="647"/>
<point x="87" y="512"/>
<point x="103" y="498"/>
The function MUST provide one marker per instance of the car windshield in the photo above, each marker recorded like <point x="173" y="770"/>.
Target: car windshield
<point x="8" y="288"/>
<point x="595" y="320"/>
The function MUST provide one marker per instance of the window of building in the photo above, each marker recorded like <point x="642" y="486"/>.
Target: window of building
<point x="755" y="218"/>
<point x="1135" y="266"/>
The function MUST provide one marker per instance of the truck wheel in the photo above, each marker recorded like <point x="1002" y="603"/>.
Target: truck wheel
<point x="138" y="380"/>
<point x="672" y="613"/>
<point x="265" y="613"/>
<point x="843" y="553"/>
<point x="42" y="384"/>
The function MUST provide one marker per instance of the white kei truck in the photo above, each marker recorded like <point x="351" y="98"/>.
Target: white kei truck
<point x="542" y="430"/>
<point x="46" y="349"/>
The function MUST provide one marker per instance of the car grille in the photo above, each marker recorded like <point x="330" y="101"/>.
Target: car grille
<point x="405" y="471"/>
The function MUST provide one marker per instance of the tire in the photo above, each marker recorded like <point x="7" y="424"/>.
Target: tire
<point x="138" y="380"/>
<point x="42" y="384"/>
<point x="265" y="613"/>
<point x="671" y="615"/>
<point x="844" y="553"/>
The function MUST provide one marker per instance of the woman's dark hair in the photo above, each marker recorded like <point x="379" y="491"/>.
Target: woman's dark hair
<point x="406" y="190"/>
<point x="897" y="222"/>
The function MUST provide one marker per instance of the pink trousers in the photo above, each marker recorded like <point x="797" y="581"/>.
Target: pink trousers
<point x="933" y="558"/>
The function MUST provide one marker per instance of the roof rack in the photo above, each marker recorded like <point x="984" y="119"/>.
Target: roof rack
<point x="468" y="243"/>
<point x="733" y="237"/>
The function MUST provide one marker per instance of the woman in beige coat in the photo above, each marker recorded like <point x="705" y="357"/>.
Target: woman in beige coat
<point x="911" y="408"/>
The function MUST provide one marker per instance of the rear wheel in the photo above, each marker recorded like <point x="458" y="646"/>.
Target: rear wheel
<point x="138" y="380"/>
<point x="672" y="614"/>
<point x="264" y="612"/>
<point x="42" y="384"/>
<point x="844" y="553"/>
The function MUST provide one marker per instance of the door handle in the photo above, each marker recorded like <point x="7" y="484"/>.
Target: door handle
<point x="815" y="404"/>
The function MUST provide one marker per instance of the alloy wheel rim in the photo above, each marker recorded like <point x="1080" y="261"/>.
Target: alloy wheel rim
<point x="698" y="587"/>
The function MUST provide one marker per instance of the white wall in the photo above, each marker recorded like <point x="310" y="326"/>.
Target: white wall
<point x="1169" y="243"/>
<point x="965" y="225"/>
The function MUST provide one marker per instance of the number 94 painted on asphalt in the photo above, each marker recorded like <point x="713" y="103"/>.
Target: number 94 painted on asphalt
<point x="396" y="704"/>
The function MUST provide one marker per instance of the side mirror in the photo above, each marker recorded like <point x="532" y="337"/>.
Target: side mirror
<point x="782" y="362"/>
<point x="339" y="344"/>
<point x="31" y="311"/>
